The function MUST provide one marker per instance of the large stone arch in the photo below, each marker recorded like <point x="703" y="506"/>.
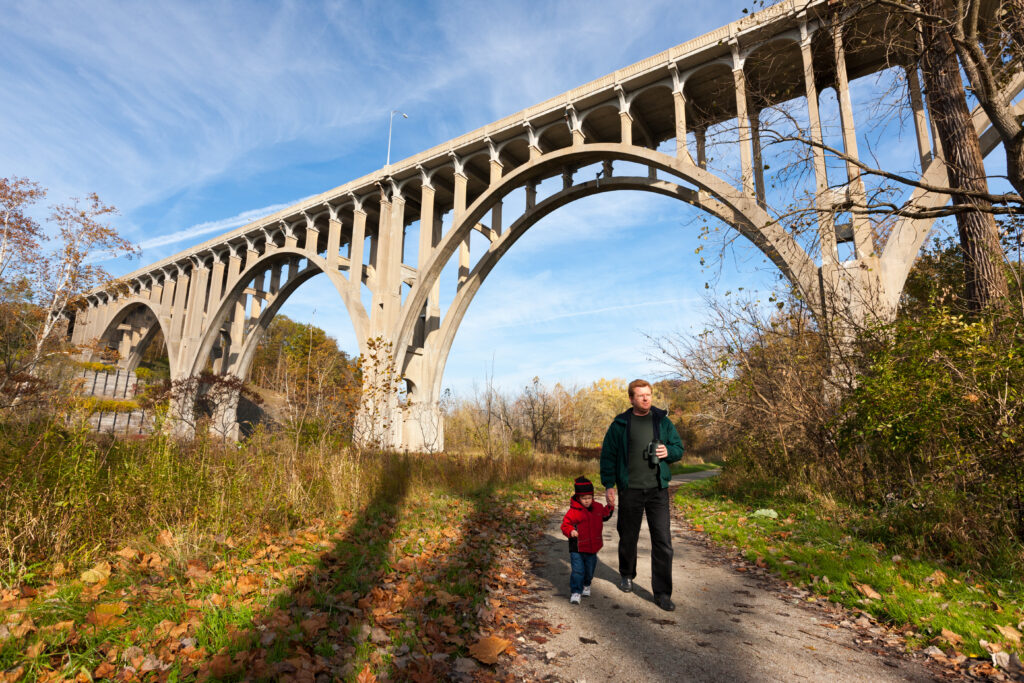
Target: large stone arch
<point x="315" y="265"/>
<point x="714" y="195"/>
<point x="460" y="304"/>
<point x="127" y="308"/>
<point x="733" y="206"/>
<point x="252" y="340"/>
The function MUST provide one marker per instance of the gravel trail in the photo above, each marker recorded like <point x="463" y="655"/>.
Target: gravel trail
<point x="727" y="626"/>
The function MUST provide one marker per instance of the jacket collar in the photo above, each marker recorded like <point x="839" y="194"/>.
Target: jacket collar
<point x="623" y="417"/>
<point x="575" y="503"/>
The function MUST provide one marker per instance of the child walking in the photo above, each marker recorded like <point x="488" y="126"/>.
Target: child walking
<point x="582" y="525"/>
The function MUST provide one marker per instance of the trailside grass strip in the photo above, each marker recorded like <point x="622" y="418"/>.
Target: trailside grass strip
<point x="962" y="612"/>
<point x="407" y="588"/>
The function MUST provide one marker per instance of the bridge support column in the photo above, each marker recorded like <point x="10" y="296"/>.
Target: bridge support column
<point x="826" y="224"/>
<point x="423" y="427"/>
<point x="224" y="421"/>
<point x="355" y="251"/>
<point x="626" y="127"/>
<point x="924" y="148"/>
<point x="863" y="242"/>
<point x="682" y="151"/>
<point x="743" y="124"/>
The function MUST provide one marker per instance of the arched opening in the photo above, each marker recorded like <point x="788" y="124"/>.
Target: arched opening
<point x="724" y="202"/>
<point x="295" y="348"/>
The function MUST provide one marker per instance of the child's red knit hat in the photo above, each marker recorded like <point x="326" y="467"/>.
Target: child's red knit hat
<point x="583" y="486"/>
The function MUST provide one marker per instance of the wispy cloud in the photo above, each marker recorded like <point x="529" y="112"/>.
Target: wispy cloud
<point x="221" y="226"/>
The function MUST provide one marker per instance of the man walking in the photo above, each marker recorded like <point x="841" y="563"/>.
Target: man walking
<point x="638" y="447"/>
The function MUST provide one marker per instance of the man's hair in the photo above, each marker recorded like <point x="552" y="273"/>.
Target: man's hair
<point x="638" y="383"/>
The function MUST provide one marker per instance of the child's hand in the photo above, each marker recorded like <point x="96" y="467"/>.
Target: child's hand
<point x="574" y="533"/>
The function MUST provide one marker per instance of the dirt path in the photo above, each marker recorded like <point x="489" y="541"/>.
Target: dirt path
<point x="727" y="626"/>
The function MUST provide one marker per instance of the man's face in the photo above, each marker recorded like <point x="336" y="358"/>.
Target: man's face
<point x="641" y="400"/>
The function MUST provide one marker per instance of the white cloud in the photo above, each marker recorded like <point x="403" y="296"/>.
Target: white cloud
<point x="221" y="226"/>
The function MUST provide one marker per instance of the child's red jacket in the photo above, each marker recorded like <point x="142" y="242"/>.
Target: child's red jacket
<point x="589" y="524"/>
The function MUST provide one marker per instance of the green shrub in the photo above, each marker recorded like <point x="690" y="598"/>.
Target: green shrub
<point x="97" y="367"/>
<point x="91" y="405"/>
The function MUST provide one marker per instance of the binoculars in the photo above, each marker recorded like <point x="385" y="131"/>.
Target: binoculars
<point x="651" y="454"/>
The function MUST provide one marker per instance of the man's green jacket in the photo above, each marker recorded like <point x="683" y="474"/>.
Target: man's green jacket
<point x="615" y="450"/>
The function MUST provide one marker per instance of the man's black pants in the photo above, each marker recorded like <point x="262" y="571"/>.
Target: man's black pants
<point x="633" y="503"/>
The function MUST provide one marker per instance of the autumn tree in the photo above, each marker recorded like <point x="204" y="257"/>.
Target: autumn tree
<point x="319" y="382"/>
<point x="43" y="274"/>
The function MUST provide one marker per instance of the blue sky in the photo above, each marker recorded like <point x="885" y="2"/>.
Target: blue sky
<point x="194" y="118"/>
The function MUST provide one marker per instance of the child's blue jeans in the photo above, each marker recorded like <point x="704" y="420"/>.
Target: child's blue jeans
<point x="583" y="565"/>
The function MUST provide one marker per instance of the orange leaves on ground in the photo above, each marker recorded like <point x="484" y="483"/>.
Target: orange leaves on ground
<point x="487" y="649"/>
<point x="314" y="624"/>
<point x="1010" y="633"/>
<point x="366" y="676"/>
<point x="165" y="538"/>
<point x="12" y="676"/>
<point x="867" y="591"/>
<point x="247" y="583"/>
<point x="197" y="569"/>
<point x="107" y="614"/>
<point x="100" y="572"/>
<point x="104" y="670"/>
<point x="950" y="637"/>
<point x="937" y="578"/>
<point x="222" y="666"/>
<point x="128" y="553"/>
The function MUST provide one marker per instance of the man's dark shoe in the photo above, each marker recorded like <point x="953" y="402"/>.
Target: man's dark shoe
<point x="665" y="603"/>
<point x="626" y="585"/>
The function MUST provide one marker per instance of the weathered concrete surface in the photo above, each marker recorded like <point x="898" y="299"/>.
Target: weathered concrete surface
<point x="727" y="626"/>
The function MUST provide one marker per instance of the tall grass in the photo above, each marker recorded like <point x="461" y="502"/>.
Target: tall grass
<point x="68" y="493"/>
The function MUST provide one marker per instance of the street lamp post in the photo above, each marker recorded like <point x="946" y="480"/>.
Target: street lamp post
<point x="391" y="122"/>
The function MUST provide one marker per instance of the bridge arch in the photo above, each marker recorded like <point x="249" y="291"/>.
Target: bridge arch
<point x="713" y="195"/>
<point x="250" y="338"/>
<point x="131" y="349"/>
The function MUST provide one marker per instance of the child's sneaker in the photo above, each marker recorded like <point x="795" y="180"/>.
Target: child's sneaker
<point x="586" y="591"/>
<point x="574" y="599"/>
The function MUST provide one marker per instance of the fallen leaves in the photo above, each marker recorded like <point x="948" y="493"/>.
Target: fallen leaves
<point x="950" y="637"/>
<point x="1010" y="633"/>
<point x="487" y="649"/>
<point x="454" y="580"/>
<point x="100" y="572"/>
<point x="867" y="591"/>
<point x="107" y="614"/>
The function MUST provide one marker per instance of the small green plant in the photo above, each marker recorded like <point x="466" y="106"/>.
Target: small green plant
<point x="97" y="367"/>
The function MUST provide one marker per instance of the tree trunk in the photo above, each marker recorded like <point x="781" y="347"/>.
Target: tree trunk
<point x="979" y="236"/>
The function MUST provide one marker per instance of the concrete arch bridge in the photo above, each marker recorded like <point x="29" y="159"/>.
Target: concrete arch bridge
<point x="213" y="301"/>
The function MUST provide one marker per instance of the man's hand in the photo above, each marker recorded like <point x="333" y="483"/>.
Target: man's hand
<point x="662" y="452"/>
<point x="609" y="496"/>
<point x="575" y="534"/>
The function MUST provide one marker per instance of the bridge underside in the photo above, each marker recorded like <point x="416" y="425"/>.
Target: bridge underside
<point x="213" y="302"/>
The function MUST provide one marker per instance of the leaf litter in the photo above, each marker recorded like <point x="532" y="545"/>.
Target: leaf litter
<point x="416" y="591"/>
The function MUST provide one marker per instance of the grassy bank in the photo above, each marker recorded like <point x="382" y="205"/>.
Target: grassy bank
<point x="405" y="587"/>
<point x="172" y="561"/>
<point x="834" y="551"/>
<point x="68" y="496"/>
